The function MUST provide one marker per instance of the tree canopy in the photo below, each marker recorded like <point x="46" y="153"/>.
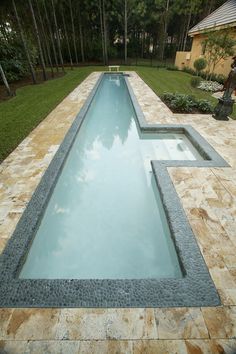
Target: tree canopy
<point x="56" y="32"/>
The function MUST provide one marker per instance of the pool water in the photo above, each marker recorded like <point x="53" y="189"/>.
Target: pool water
<point x="105" y="219"/>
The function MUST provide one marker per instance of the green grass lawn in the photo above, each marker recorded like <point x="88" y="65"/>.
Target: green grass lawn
<point x="19" y="115"/>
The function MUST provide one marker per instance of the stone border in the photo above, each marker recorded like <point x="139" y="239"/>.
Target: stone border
<point x="196" y="288"/>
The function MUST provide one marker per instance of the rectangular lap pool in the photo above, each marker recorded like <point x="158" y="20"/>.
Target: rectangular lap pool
<point x="105" y="227"/>
<point x="105" y="219"/>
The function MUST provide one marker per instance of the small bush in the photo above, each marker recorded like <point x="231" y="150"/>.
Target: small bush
<point x="186" y="103"/>
<point x="200" y="64"/>
<point x="219" y="78"/>
<point x="179" y="102"/>
<point x="205" y="106"/>
<point x="189" y="70"/>
<point x="205" y="75"/>
<point x="167" y="96"/>
<point x="195" y="81"/>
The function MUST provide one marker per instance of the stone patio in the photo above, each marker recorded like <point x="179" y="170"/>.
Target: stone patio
<point x="208" y="196"/>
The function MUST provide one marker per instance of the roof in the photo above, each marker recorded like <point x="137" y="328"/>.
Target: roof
<point x="224" y="15"/>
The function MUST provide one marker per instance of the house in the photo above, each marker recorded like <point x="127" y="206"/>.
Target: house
<point x="222" y="18"/>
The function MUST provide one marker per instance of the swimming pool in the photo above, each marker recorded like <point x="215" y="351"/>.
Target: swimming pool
<point x="105" y="219"/>
<point x="186" y="282"/>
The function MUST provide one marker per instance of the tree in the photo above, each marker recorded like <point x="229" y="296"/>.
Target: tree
<point x="125" y="36"/>
<point x="51" y="35"/>
<point x="57" y="35"/>
<point x="81" y="34"/>
<point x="200" y="64"/>
<point x="67" y="40"/>
<point x="73" y="33"/>
<point x="38" y="40"/>
<point x="102" y="30"/>
<point x="4" y="79"/>
<point x="217" y="46"/>
<point x="45" y="39"/>
<point x="24" y="43"/>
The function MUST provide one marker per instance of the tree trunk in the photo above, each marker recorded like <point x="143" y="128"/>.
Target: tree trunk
<point x="45" y="40"/>
<point x="81" y="38"/>
<point x="105" y="32"/>
<point x="125" y="36"/>
<point x="67" y="41"/>
<point x="57" y="35"/>
<point x="73" y="33"/>
<point x="38" y="40"/>
<point x="182" y="38"/>
<point x="24" y="44"/>
<point x="51" y="36"/>
<point x="165" y="23"/>
<point x="102" y="34"/>
<point x="187" y="29"/>
<point x="142" y="44"/>
<point x="4" y="79"/>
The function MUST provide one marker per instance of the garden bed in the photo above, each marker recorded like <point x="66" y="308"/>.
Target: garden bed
<point x="181" y="103"/>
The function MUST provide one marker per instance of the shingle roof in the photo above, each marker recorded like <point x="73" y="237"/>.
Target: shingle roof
<point x="224" y="15"/>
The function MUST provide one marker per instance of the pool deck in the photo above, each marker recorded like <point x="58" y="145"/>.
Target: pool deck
<point x="208" y="196"/>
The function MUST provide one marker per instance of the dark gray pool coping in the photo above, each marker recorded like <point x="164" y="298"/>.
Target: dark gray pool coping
<point x="196" y="288"/>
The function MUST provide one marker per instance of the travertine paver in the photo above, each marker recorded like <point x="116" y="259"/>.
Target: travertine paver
<point x="208" y="196"/>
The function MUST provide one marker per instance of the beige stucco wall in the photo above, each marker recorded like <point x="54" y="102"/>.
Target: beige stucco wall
<point x="181" y="58"/>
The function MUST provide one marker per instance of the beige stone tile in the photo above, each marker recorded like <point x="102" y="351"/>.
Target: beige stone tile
<point x="32" y="324"/>
<point x="193" y="346"/>
<point x="227" y="296"/>
<point x="199" y="347"/>
<point x="227" y="178"/>
<point x="178" y="323"/>
<point x="232" y="272"/>
<point x="5" y="315"/>
<point x="222" y="278"/>
<point x="3" y="242"/>
<point x="210" y="346"/>
<point x="224" y="346"/>
<point x="88" y="324"/>
<point x="212" y="237"/>
<point x="66" y="347"/>
<point x="14" y="347"/>
<point x="230" y="260"/>
<point x="103" y="347"/>
<point x="221" y="321"/>
<point x="159" y="347"/>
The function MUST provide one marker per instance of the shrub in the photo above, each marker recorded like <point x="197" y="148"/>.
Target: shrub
<point x="195" y="81"/>
<point x="210" y="86"/>
<point x="183" y="103"/>
<point x="205" y="106"/>
<point x="167" y="96"/>
<point x="13" y="60"/>
<point x="200" y="64"/>
<point x="189" y="70"/>
<point x="186" y="103"/>
<point x="219" y="78"/>
<point x="172" y="67"/>
<point x="179" y="102"/>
